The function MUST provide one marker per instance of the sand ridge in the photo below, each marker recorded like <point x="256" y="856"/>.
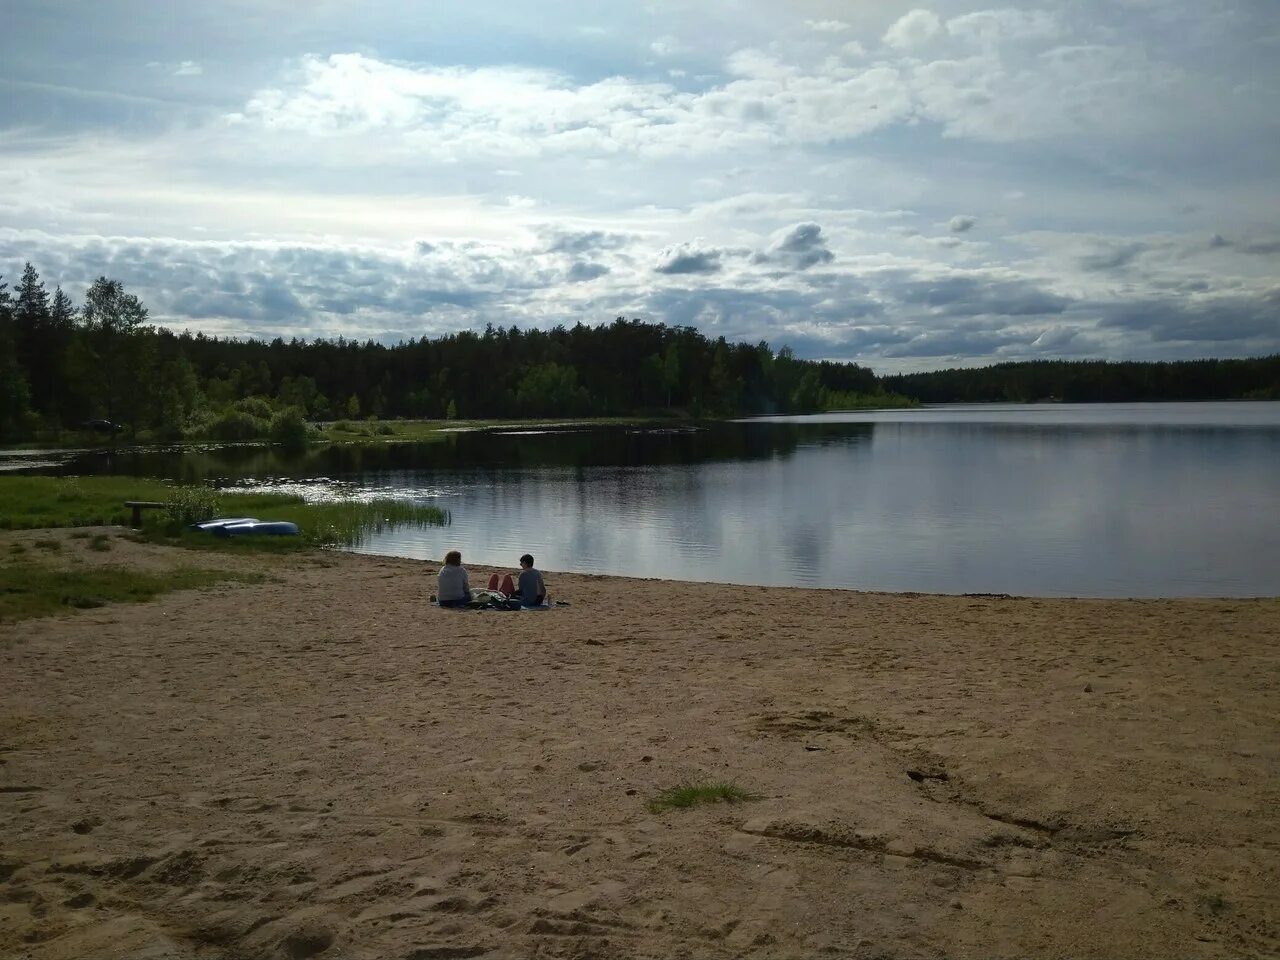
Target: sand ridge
<point x="324" y="765"/>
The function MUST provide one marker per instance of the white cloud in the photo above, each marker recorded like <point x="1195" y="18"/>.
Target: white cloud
<point x="665" y="47"/>
<point x="961" y="223"/>
<point x="913" y="30"/>
<point x="990" y="27"/>
<point x="827" y="26"/>
<point x="800" y="246"/>
<point x="188" y="68"/>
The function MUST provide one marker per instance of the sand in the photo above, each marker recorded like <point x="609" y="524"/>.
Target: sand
<point x="324" y="765"/>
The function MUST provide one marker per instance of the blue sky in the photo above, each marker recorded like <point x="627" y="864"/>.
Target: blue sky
<point x="906" y="186"/>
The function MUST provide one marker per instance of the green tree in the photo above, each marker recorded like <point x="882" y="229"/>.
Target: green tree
<point x="115" y="324"/>
<point x="808" y="393"/>
<point x="551" y="390"/>
<point x="300" y="392"/>
<point x="671" y="369"/>
<point x="14" y="397"/>
<point x="34" y="350"/>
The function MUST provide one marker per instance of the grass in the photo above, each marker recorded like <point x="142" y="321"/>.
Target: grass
<point x="340" y="524"/>
<point x="32" y="502"/>
<point x="695" y="794"/>
<point x="31" y="589"/>
<point x="100" y="542"/>
<point x="419" y="431"/>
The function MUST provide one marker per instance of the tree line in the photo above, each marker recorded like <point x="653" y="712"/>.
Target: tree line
<point x="65" y="365"/>
<point x="1095" y="381"/>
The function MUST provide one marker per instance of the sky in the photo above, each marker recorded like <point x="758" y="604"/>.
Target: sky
<point x="906" y="186"/>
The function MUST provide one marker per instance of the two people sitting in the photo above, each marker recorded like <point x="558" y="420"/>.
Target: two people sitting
<point x="454" y="589"/>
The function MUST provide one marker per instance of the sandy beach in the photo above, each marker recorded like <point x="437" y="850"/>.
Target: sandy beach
<point x="325" y="765"/>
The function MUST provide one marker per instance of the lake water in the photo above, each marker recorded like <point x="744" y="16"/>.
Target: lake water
<point x="1051" y="500"/>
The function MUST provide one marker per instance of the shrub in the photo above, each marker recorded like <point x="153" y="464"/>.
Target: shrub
<point x="237" y="425"/>
<point x="188" y="505"/>
<point x="255" y="407"/>
<point x="289" y="427"/>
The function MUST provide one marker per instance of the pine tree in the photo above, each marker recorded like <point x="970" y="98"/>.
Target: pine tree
<point x="31" y="337"/>
<point x="14" y="399"/>
<point x="115" y="322"/>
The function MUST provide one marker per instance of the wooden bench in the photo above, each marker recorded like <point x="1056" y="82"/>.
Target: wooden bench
<point x="138" y="506"/>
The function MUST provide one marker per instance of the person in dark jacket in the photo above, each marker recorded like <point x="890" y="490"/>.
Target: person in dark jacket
<point x="531" y="590"/>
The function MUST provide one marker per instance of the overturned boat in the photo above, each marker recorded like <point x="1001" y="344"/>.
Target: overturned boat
<point x="247" y="526"/>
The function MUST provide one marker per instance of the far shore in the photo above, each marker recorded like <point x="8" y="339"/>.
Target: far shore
<point x="322" y="764"/>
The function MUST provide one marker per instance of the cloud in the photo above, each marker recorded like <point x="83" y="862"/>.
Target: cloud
<point x="956" y="343"/>
<point x="665" y="47"/>
<point x="1111" y="255"/>
<point x="1201" y="319"/>
<point x="188" y="68"/>
<point x="1256" y="244"/>
<point x="582" y="271"/>
<point x="353" y="192"/>
<point x="990" y="27"/>
<point x="799" y="247"/>
<point x="583" y="241"/>
<point x="691" y="257"/>
<point x="913" y="30"/>
<point x="976" y="294"/>
<point x="868" y="308"/>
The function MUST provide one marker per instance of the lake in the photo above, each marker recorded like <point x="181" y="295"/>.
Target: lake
<point x="1100" y="500"/>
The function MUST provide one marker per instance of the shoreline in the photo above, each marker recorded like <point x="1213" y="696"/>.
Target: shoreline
<point x="324" y="758"/>
<point x="485" y="569"/>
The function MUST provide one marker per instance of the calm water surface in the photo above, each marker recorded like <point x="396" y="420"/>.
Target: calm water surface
<point x="1096" y="500"/>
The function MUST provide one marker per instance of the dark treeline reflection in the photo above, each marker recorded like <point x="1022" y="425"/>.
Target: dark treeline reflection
<point x="471" y="450"/>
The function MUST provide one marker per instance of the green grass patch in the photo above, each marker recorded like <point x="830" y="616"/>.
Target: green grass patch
<point x="28" y="502"/>
<point x="100" y="542"/>
<point x="31" y="502"/>
<point x="695" y="794"/>
<point x="422" y="431"/>
<point x="52" y="546"/>
<point x="339" y="524"/>
<point x="30" y="589"/>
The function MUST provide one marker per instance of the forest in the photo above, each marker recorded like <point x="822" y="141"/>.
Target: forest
<point x="64" y="365"/>
<point x="1095" y="381"/>
<point x="102" y="364"/>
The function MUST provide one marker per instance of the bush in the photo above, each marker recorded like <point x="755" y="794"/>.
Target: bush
<point x="289" y="427"/>
<point x="188" y="505"/>
<point x="237" y="425"/>
<point x="255" y="407"/>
